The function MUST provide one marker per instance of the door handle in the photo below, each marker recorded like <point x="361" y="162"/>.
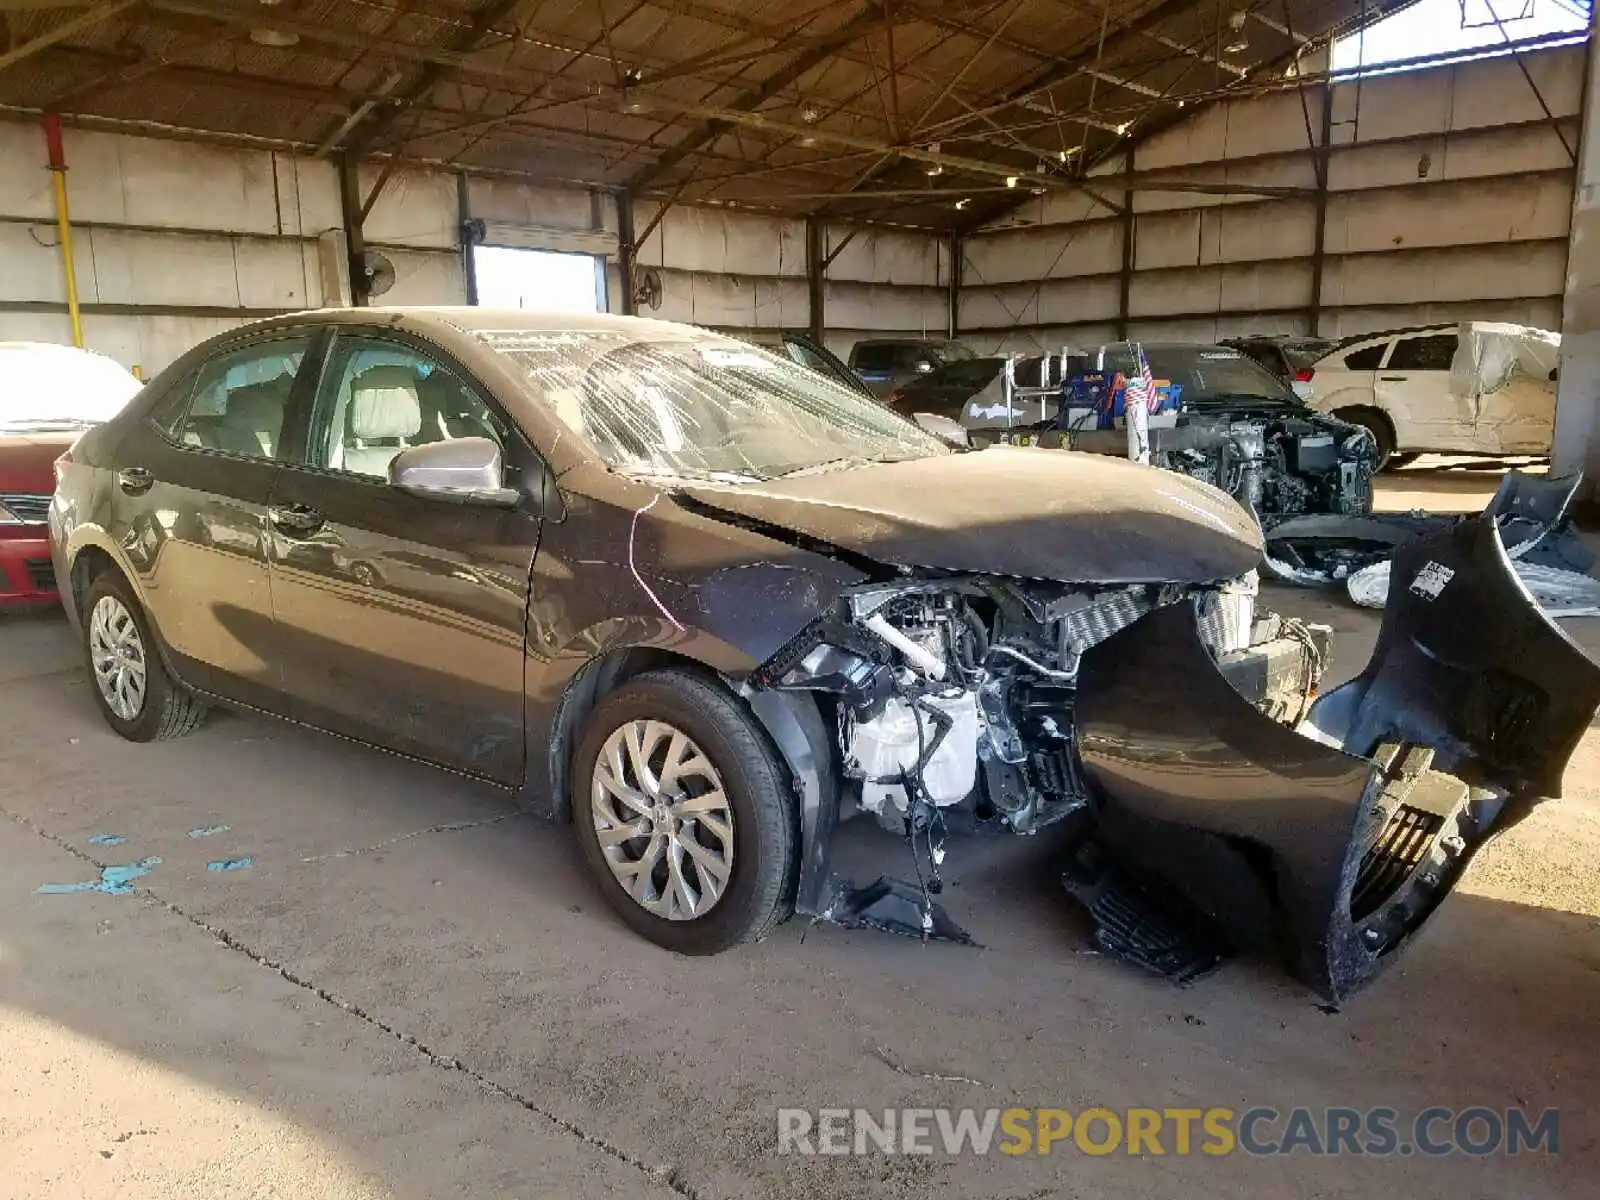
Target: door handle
<point x="1394" y="378"/>
<point x="296" y="519"/>
<point x="134" y="480"/>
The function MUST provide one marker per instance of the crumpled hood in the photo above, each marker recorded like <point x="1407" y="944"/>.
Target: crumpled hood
<point x="1038" y="514"/>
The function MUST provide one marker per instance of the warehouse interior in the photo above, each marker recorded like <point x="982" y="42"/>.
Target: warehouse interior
<point x="446" y="1009"/>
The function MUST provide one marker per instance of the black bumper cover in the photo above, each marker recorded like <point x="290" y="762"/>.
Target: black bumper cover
<point x="1337" y="853"/>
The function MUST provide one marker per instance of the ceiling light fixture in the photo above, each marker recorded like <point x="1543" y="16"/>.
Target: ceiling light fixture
<point x="1240" y="42"/>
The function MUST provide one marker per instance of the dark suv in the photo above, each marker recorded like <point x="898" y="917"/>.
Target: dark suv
<point x="884" y="364"/>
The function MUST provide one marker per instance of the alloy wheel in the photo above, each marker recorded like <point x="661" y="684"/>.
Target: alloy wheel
<point x="117" y="654"/>
<point x="662" y="819"/>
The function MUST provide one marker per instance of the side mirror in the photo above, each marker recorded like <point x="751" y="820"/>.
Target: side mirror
<point x="463" y="471"/>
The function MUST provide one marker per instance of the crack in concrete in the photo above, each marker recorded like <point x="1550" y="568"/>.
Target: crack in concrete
<point x="444" y="827"/>
<point x="667" y="1176"/>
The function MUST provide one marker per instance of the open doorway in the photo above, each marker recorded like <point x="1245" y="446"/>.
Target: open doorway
<point x="541" y="280"/>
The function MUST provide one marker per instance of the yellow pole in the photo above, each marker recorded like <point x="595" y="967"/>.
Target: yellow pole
<point x="58" y="172"/>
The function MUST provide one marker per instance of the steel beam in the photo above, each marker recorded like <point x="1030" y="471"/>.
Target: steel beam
<point x="355" y="241"/>
<point x="58" y="33"/>
<point x="627" y="251"/>
<point x="816" y="270"/>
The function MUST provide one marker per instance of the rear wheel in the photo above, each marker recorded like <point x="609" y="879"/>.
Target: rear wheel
<point x="1375" y="423"/>
<point x="684" y="815"/>
<point x="136" y="695"/>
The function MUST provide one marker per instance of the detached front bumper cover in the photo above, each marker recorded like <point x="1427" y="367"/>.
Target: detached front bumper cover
<point x="1335" y="844"/>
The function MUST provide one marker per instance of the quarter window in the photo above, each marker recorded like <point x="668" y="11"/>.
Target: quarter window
<point x="1366" y="359"/>
<point x="240" y="400"/>
<point x="379" y="398"/>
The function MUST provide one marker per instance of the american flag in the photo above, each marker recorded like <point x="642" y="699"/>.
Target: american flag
<point x="1141" y="384"/>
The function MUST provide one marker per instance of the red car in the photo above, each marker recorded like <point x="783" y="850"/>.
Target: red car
<point x="48" y="396"/>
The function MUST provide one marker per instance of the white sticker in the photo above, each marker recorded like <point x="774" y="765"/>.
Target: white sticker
<point x="1222" y="355"/>
<point x="1431" y="580"/>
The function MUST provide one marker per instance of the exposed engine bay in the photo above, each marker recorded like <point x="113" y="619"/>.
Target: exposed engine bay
<point x="1276" y="464"/>
<point x="1223" y="805"/>
<point x="960" y="694"/>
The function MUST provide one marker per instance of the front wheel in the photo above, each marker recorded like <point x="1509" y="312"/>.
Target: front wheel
<point x="684" y="815"/>
<point x="136" y="695"/>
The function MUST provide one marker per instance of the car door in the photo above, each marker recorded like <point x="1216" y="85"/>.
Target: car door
<point x="402" y="617"/>
<point x="1413" y="387"/>
<point x="190" y="509"/>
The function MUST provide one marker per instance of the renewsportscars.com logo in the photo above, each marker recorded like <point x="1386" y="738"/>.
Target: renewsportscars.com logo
<point x="1259" y="1132"/>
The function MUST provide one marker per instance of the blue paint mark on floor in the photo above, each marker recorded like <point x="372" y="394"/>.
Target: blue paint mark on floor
<point x="230" y="864"/>
<point x="114" y="881"/>
<point x="208" y="831"/>
<point x="107" y="839"/>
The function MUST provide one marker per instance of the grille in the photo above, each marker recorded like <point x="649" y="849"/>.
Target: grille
<point x="1388" y="862"/>
<point x="26" y="506"/>
<point x="40" y="574"/>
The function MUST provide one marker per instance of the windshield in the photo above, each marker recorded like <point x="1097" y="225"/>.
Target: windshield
<point x="699" y="406"/>
<point x="50" y="388"/>
<point x="1207" y="374"/>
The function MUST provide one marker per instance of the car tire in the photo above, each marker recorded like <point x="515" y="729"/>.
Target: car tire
<point x="137" y="697"/>
<point x="735" y="859"/>
<point x="1375" y="423"/>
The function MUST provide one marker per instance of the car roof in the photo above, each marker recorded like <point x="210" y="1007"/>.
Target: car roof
<point x="1379" y="334"/>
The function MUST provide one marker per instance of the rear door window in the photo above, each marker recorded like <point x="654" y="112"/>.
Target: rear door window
<point x="240" y="400"/>
<point x="1431" y="353"/>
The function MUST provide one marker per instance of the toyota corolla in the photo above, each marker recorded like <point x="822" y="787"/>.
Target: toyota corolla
<point x="706" y="603"/>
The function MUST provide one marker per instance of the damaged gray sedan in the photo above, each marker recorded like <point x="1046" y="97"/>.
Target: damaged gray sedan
<point x="707" y="604"/>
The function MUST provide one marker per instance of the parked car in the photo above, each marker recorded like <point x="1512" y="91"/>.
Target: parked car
<point x="1290" y="357"/>
<point x="692" y="595"/>
<point x="1239" y="428"/>
<point x="1474" y="388"/>
<point x="49" y="395"/>
<point x="883" y="364"/>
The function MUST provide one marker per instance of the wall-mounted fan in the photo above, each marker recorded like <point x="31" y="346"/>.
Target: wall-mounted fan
<point x="379" y="272"/>
<point x="647" y="291"/>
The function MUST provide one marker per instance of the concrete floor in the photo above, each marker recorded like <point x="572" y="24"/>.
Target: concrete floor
<point x="413" y="992"/>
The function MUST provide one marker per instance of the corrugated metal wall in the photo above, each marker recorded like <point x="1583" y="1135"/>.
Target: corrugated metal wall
<point x="1449" y="196"/>
<point x="178" y="240"/>
<point x="744" y="272"/>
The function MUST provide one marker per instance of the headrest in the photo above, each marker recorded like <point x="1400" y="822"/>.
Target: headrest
<point x="383" y="403"/>
<point x="259" y="405"/>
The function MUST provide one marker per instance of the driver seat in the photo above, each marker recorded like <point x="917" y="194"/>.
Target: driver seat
<point x="385" y="415"/>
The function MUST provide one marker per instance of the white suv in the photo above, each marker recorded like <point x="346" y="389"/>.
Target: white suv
<point x="1475" y="388"/>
